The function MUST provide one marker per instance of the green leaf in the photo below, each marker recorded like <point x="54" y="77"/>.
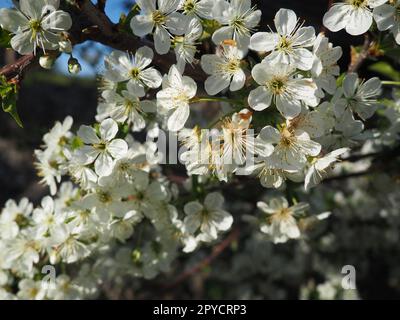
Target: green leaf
<point x="8" y="99"/>
<point x="386" y="70"/>
<point x="339" y="80"/>
<point x="5" y="38"/>
<point x="124" y="21"/>
<point x="209" y="27"/>
<point x="76" y="143"/>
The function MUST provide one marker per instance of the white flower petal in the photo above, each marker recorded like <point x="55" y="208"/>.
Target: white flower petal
<point x="222" y="34"/>
<point x="270" y="135"/>
<point x="350" y="84"/>
<point x="57" y="21"/>
<point x="104" y="165"/>
<point x="193" y="207"/>
<point x="216" y="83"/>
<point x="11" y="20"/>
<point x="287" y="106"/>
<point x="359" y="22"/>
<point x="260" y="98"/>
<point x="337" y="17"/>
<point x="151" y="78"/>
<point x="222" y="220"/>
<point x="142" y="25"/>
<point x="88" y="135"/>
<point x="238" y="80"/>
<point x="117" y="148"/>
<point x="208" y="63"/>
<point x="136" y="88"/>
<point x="178" y="118"/>
<point x="303" y="59"/>
<point x="21" y="43"/>
<point x="264" y="41"/>
<point x="147" y="5"/>
<point x="162" y="40"/>
<point x="143" y="57"/>
<point x="385" y="17"/>
<point x="108" y="129"/>
<point x="285" y="21"/>
<point x="213" y="201"/>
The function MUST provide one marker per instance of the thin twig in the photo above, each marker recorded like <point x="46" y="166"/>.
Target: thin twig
<point x="18" y="68"/>
<point x="359" y="58"/>
<point x="218" y="249"/>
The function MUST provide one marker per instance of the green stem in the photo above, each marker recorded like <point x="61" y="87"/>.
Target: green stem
<point x="391" y="83"/>
<point x="216" y="99"/>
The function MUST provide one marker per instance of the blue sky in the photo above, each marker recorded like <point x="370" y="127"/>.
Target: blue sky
<point x="113" y="9"/>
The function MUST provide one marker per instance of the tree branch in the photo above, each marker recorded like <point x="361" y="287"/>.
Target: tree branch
<point x="101" y="4"/>
<point x="18" y="68"/>
<point x="357" y="59"/>
<point x="218" y="249"/>
<point x="101" y="29"/>
<point x="96" y="16"/>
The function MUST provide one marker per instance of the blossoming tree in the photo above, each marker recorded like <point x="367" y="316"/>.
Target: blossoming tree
<point x="289" y="119"/>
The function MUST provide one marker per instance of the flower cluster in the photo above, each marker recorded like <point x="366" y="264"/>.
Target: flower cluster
<point x="290" y="115"/>
<point x="36" y="24"/>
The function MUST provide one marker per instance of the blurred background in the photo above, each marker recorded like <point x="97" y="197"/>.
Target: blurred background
<point x="49" y="96"/>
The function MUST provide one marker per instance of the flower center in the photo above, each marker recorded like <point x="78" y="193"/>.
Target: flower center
<point x="136" y="257"/>
<point x="134" y="73"/>
<point x="21" y="220"/>
<point x="100" y="146"/>
<point x="285" y="44"/>
<point x="359" y="3"/>
<point x="35" y="25"/>
<point x="104" y="197"/>
<point x="286" y="137"/>
<point x="33" y="292"/>
<point x="181" y="97"/>
<point x="158" y="17"/>
<point x="238" y="23"/>
<point x="131" y="105"/>
<point x="282" y="214"/>
<point x="277" y="85"/>
<point x="230" y="67"/>
<point x="124" y="166"/>
<point x="189" y="6"/>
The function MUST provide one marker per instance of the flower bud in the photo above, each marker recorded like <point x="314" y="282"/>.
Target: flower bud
<point x="47" y="62"/>
<point x="65" y="46"/>
<point x="74" y="66"/>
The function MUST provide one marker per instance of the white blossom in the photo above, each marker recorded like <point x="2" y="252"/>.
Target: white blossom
<point x="359" y="96"/>
<point x="210" y="218"/>
<point x="224" y="68"/>
<point x="289" y="45"/>
<point x="101" y="148"/>
<point x="135" y="69"/>
<point x="320" y="166"/>
<point x="185" y="45"/>
<point x="174" y="98"/>
<point x="35" y="24"/>
<point x="387" y="17"/>
<point x="353" y="15"/>
<point x="238" y="19"/>
<point x="280" y="85"/>
<point x="163" y="18"/>
<point x="280" y="219"/>
<point x="325" y="68"/>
